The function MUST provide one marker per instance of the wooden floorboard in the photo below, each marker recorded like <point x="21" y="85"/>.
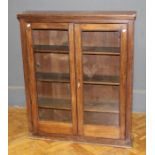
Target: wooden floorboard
<point x="20" y="143"/>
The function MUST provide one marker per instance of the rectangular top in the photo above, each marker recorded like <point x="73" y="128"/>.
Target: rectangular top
<point x="118" y="15"/>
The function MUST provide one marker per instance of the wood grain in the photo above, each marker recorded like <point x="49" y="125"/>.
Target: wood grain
<point x="75" y="14"/>
<point x="130" y="68"/>
<point x="55" y="127"/>
<point x="83" y="62"/>
<point x="63" y="77"/>
<point x="79" y="78"/>
<point x="32" y="80"/>
<point x="50" y="26"/>
<point x="97" y="131"/>
<point x="20" y="141"/>
<point x="83" y="58"/>
<point x="26" y="71"/>
<point x="123" y="88"/>
<point x="92" y="106"/>
<point x="73" y="78"/>
<point x="99" y="27"/>
<point x="51" y="49"/>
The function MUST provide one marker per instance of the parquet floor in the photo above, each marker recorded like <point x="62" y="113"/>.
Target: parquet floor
<point x="21" y="144"/>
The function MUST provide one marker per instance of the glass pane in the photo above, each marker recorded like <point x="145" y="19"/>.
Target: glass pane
<point x="101" y="104"/>
<point x="52" y="74"/>
<point x="101" y="69"/>
<point x="50" y="41"/>
<point x="101" y="65"/>
<point x="55" y="115"/>
<point x="100" y="42"/>
<point x="54" y="101"/>
<point x="52" y="67"/>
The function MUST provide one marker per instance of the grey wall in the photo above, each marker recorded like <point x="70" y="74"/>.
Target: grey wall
<point x="16" y="82"/>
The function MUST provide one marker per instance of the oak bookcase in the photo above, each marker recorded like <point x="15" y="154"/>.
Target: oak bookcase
<point x="78" y="75"/>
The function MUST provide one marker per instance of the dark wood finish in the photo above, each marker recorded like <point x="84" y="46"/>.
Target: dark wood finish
<point x="129" y="90"/>
<point x="53" y="77"/>
<point x="111" y="132"/>
<point x="100" y="27"/>
<point x="79" y="78"/>
<point x="101" y="118"/>
<point x="86" y="50"/>
<point x="51" y="49"/>
<point x="55" y="127"/>
<point x="57" y="26"/>
<point x="98" y="79"/>
<point x="58" y="77"/>
<point x="55" y="115"/>
<point x="78" y="74"/>
<point x="49" y="15"/>
<point x="50" y="103"/>
<point x="123" y="67"/>
<point x="52" y="63"/>
<point x="101" y="107"/>
<point x="44" y="38"/>
<point x="78" y="17"/>
<point x="91" y="140"/>
<point x="32" y="82"/>
<point x="102" y="50"/>
<point x="26" y="71"/>
<point x="73" y="80"/>
<point x="106" y="27"/>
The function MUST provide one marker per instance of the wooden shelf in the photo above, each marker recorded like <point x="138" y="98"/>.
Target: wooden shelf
<point x="51" y="103"/>
<point x="53" y="77"/>
<point x="64" y="77"/>
<point x="101" y="50"/>
<point x="65" y="104"/>
<point x="61" y="49"/>
<point x="98" y="79"/>
<point x="105" y="107"/>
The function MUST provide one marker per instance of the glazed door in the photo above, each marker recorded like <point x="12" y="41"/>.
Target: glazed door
<point x="101" y="60"/>
<point x="52" y="73"/>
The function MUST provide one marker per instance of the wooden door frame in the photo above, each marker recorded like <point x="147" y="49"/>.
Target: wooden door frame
<point x="79" y="71"/>
<point x="26" y="72"/>
<point x="32" y="80"/>
<point x="48" y="126"/>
